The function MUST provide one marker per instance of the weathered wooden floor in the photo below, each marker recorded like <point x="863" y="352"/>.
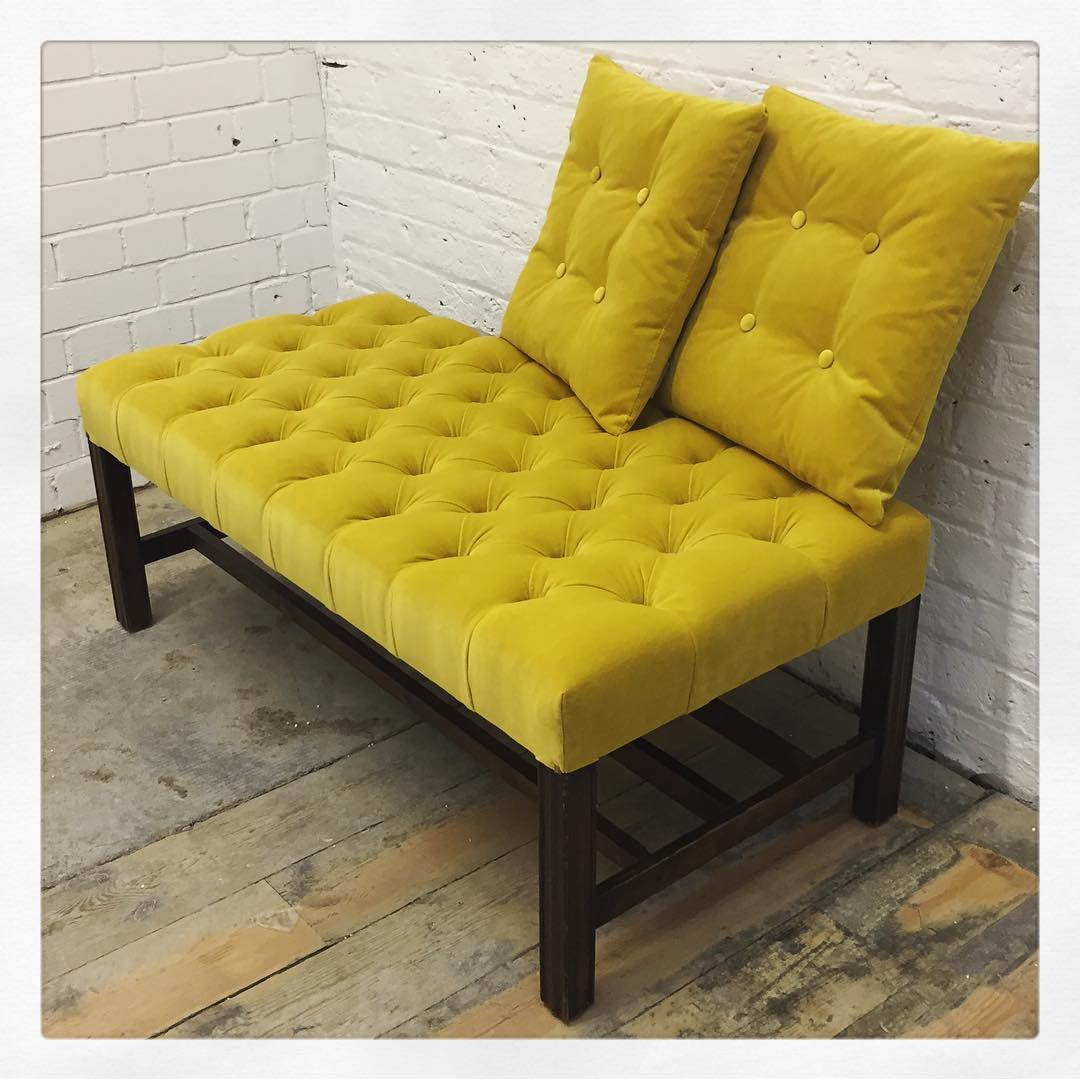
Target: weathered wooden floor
<point x="369" y="880"/>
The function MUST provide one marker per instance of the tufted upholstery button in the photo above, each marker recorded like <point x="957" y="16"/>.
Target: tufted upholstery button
<point x="798" y="219"/>
<point x="870" y="242"/>
<point x="748" y="322"/>
<point x="595" y="174"/>
<point x="825" y="358"/>
<point x="642" y="195"/>
<point x="599" y="294"/>
<point x="560" y="269"/>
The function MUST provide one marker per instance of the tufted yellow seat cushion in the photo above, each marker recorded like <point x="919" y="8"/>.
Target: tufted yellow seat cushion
<point x="457" y="503"/>
<point x="639" y="205"/>
<point x="854" y="256"/>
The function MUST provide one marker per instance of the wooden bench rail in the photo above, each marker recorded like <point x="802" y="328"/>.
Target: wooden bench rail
<point x="756" y="739"/>
<point x="693" y="849"/>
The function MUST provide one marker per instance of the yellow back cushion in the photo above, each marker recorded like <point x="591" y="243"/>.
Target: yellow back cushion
<point x="853" y="259"/>
<point x="640" y="203"/>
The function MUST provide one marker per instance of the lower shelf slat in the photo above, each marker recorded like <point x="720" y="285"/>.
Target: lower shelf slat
<point x="628" y="887"/>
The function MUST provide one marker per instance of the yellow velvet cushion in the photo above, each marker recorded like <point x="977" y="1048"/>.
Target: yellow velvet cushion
<point x="854" y="256"/>
<point x="640" y="202"/>
<point x="454" y="501"/>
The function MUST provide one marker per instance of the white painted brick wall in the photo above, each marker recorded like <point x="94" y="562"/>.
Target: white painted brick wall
<point x="155" y="157"/>
<point x="442" y="159"/>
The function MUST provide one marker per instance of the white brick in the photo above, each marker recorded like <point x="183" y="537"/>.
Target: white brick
<point x="138" y="146"/>
<point x="92" y="202"/>
<point x="216" y="226"/>
<point x="306" y="250"/>
<point x="266" y="124"/>
<point x="308" y="121"/>
<point x="98" y="341"/>
<point x="214" y="271"/>
<point x="86" y="253"/>
<point x="154" y="239"/>
<point x="291" y="294"/>
<point x="61" y="443"/>
<point x="163" y="326"/>
<point x="955" y="490"/>
<point x="1016" y="512"/>
<point x="50" y="501"/>
<point x="194" y="183"/>
<point x="80" y="106"/>
<point x="324" y="288"/>
<point x="173" y="91"/>
<point x="217" y="312"/>
<point x="84" y="300"/>
<point x="66" y="60"/>
<point x="74" y="484"/>
<point x="998" y="441"/>
<point x="191" y="52"/>
<point x="300" y="163"/>
<point x="315" y="209"/>
<point x="48" y="265"/>
<point x="67" y="158"/>
<point x="278" y="212"/>
<point x="201" y="136"/>
<point x="291" y="74"/>
<point x="53" y="360"/>
<point x="111" y="57"/>
<point x="60" y="401"/>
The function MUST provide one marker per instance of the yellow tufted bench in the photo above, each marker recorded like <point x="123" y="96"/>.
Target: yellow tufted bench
<point x="455" y="502"/>
<point x="545" y="559"/>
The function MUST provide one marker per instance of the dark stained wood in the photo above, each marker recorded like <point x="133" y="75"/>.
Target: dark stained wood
<point x="886" y="691"/>
<point x="754" y="738"/>
<point x="628" y="887"/>
<point x="120" y="534"/>
<point x="674" y="779"/>
<point x="171" y="540"/>
<point x="567" y="890"/>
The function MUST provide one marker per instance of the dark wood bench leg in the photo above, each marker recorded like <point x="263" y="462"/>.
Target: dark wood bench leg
<point x="890" y="656"/>
<point x="567" y="890"/>
<point x="120" y="532"/>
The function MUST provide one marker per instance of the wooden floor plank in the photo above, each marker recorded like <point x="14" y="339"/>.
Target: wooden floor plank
<point x="716" y="911"/>
<point x="394" y="968"/>
<point x="417" y="915"/>
<point x="360" y="880"/>
<point x="143" y="988"/>
<point x="1005" y="1009"/>
<point x="103" y="909"/>
<point x="895" y="944"/>
<point x="808" y="980"/>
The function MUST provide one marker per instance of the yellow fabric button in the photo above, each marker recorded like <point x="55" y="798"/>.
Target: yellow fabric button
<point x="560" y="269"/>
<point x="748" y="321"/>
<point x="642" y="195"/>
<point x="595" y="174"/>
<point x="825" y="358"/>
<point x="599" y="295"/>
<point x="798" y="219"/>
<point x="870" y="242"/>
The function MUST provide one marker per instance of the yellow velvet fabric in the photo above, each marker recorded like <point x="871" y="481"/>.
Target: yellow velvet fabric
<point x="854" y="256"/>
<point x="454" y="501"/>
<point x="640" y="202"/>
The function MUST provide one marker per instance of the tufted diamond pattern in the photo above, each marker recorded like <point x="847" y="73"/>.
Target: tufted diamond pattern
<point x="640" y="202"/>
<point x="854" y="256"/>
<point x="454" y="501"/>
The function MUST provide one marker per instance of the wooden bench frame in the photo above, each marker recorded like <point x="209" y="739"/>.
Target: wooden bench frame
<point x="572" y="904"/>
